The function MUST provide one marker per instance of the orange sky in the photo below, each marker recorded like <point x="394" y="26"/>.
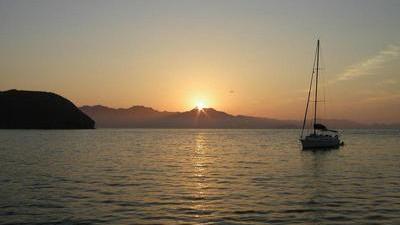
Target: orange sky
<point x="251" y="58"/>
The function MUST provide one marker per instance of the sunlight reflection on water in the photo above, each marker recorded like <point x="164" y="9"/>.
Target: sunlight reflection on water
<point x="196" y="176"/>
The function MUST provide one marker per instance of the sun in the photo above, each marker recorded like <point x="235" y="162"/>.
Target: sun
<point x="200" y="105"/>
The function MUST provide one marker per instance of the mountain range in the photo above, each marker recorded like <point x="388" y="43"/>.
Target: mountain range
<point x="146" y="117"/>
<point x="45" y="110"/>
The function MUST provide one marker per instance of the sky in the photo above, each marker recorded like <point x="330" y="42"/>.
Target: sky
<point x="241" y="57"/>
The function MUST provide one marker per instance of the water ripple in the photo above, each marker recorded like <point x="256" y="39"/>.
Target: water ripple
<point x="196" y="177"/>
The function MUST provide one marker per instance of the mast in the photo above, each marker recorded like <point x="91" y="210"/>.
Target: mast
<point x="309" y="94"/>
<point x="316" y="88"/>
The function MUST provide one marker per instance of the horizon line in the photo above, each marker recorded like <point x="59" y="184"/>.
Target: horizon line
<point x="263" y="117"/>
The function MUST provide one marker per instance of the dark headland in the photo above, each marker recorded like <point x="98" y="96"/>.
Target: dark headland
<point x="40" y="110"/>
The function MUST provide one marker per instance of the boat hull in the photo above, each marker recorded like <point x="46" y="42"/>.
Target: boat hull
<point x="320" y="142"/>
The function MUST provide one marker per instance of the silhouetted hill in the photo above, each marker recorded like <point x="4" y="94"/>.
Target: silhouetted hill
<point x="343" y="124"/>
<point x="136" y="116"/>
<point x="144" y="117"/>
<point x="349" y="124"/>
<point x="40" y="110"/>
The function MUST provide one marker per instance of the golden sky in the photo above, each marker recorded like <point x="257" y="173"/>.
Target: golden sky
<point x="242" y="57"/>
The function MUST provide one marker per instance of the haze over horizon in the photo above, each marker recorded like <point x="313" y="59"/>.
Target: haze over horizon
<point x="241" y="57"/>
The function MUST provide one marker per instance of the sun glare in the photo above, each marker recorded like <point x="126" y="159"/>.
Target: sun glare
<point x="200" y="105"/>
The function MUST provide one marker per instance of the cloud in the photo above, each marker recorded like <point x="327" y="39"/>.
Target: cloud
<point x="366" y="67"/>
<point x="388" y="82"/>
<point x="388" y="97"/>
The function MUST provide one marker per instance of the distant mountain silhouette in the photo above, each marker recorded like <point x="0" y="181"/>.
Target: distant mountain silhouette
<point x="40" y="110"/>
<point x="144" y="117"/>
<point x="136" y="116"/>
<point x="348" y="124"/>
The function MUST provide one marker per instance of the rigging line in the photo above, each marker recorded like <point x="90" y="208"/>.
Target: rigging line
<point x="325" y="91"/>
<point x="309" y="93"/>
<point x="316" y="90"/>
<point x="324" y="78"/>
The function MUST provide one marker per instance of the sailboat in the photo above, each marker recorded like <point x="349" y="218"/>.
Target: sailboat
<point x="321" y="136"/>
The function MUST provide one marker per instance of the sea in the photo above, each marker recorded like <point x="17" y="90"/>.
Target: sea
<point x="184" y="176"/>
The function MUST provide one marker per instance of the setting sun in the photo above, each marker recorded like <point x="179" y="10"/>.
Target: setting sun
<point x="200" y="105"/>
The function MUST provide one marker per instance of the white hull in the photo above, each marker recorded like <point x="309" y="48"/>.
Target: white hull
<point x="320" y="141"/>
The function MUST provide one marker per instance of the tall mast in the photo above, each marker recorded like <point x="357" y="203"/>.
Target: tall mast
<point x="316" y="88"/>
<point x="309" y="94"/>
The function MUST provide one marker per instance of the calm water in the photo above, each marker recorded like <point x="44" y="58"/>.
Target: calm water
<point x="197" y="177"/>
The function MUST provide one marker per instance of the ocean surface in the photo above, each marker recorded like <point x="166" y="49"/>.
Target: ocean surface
<point x="167" y="176"/>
